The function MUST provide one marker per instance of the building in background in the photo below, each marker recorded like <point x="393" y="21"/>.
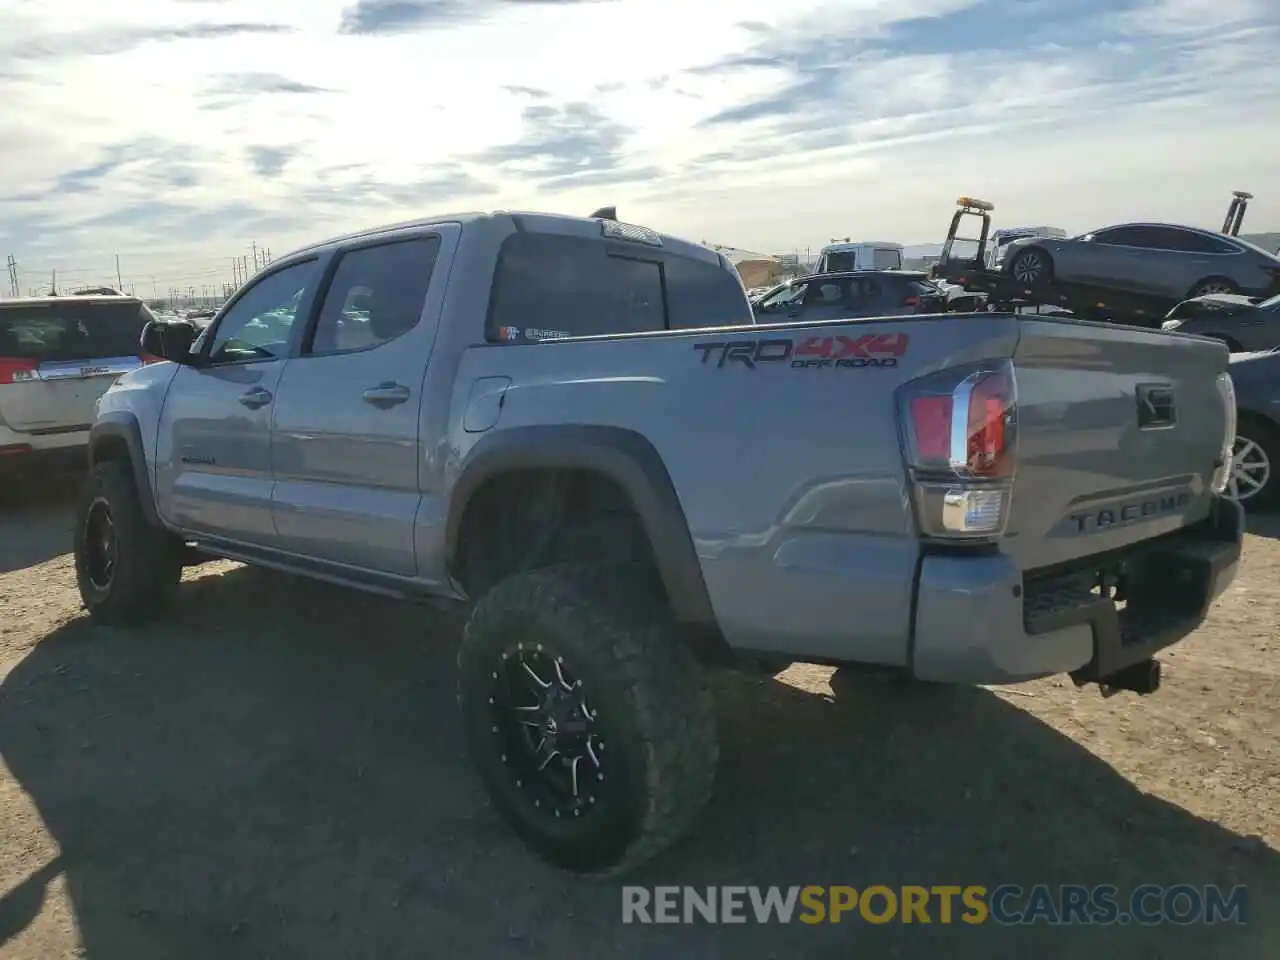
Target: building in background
<point x="756" y="269"/>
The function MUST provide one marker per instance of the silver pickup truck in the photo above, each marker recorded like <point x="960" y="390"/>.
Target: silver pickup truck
<point x="572" y="425"/>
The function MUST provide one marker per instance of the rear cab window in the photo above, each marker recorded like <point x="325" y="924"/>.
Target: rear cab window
<point x="551" y="286"/>
<point x="73" y="330"/>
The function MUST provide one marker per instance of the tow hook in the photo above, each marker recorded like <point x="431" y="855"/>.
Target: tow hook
<point x="1141" y="678"/>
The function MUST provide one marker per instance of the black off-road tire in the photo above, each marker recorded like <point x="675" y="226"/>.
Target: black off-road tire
<point x="148" y="559"/>
<point x="651" y="704"/>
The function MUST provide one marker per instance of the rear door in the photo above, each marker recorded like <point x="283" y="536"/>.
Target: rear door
<point x="827" y="298"/>
<point x="1183" y="259"/>
<point x="344" y="441"/>
<point x="57" y="359"/>
<point x="904" y="294"/>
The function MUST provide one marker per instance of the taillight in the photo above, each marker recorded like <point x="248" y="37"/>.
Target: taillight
<point x="149" y="358"/>
<point x="912" y="301"/>
<point x="17" y="370"/>
<point x="960" y="442"/>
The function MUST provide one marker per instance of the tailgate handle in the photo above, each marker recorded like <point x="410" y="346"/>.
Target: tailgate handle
<point x="1156" y="407"/>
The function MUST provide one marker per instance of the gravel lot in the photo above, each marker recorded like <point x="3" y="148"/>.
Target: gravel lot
<point x="276" y="770"/>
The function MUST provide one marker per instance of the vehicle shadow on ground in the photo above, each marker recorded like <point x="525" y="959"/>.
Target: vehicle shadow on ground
<point x="1262" y="524"/>
<point x="36" y="517"/>
<point x="277" y="770"/>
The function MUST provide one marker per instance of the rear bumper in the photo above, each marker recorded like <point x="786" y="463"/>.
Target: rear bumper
<point x="981" y="620"/>
<point x="25" y="451"/>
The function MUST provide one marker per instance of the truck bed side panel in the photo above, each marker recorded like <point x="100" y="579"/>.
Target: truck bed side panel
<point x="790" y="475"/>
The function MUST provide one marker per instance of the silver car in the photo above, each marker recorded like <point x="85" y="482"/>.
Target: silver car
<point x="1159" y="259"/>
<point x="58" y="355"/>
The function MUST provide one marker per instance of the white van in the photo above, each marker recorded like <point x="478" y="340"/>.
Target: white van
<point x="871" y="255"/>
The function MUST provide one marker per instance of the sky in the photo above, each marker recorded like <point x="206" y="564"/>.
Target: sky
<point x="176" y="134"/>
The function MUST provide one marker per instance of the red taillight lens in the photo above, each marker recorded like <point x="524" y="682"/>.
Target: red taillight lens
<point x="990" y="412"/>
<point x="931" y="423"/>
<point x="912" y="301"/>
<point x="148" y="358"/>
<point x="17" y="369"/>
<point x="959" y="437"/>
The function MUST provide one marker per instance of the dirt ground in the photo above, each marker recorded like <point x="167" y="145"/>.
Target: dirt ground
<point x="277" y="770"/>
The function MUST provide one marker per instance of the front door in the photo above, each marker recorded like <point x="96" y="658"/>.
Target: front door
<point x="214" y="451"/>
<point x="345" y="450"/>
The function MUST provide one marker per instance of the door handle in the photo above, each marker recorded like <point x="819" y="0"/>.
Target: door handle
<point x="255" y="398"/>
<point x="386" y="394"/>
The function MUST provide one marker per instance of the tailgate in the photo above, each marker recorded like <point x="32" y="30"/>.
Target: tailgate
<point x="1119" y="433"/>
<point x="69" y="354"/>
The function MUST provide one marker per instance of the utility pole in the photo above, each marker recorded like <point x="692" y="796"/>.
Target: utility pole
<point x="53" y="283"/>
<point x="155" y="292"/>
<point x="244" y="268"/>
<point x="119" y="282"/>
<point x="13" y="277"/>
<point x="255" y="255"/>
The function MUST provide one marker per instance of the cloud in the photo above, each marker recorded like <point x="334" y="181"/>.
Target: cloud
<point x="94" y="43"/>
<point x="379" y="17"/>
<point x="565" y="146"/>
<point x="270" y="161"/>
<point x="170" y="132"/>
<point x="236" y="89"/>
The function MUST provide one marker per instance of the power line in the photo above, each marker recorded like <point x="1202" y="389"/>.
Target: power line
<point x="183" y="277"/>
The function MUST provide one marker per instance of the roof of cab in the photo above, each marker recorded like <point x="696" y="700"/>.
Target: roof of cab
<point x="471" y="217"/>
<point x="843" y="245"/>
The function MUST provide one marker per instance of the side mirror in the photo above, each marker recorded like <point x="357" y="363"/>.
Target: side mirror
<point x="169" y="341"/>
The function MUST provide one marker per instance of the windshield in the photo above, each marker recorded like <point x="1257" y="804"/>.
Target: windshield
<point x="1272" y="304"/>
<point x="839" y="261"/>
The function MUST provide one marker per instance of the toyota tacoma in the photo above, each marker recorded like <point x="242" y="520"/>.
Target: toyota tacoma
<point x="573" y="427"/>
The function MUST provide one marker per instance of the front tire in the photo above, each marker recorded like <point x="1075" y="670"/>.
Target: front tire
<point x="588" y="720"/>
<point x="1031" y="267"/>
<point x="126" y="568"/>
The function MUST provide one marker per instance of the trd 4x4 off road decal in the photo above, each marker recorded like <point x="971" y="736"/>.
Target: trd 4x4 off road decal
<point x="839" y="352"/>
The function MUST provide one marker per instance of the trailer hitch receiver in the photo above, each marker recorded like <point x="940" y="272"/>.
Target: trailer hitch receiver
<point x="1141" y="678"/>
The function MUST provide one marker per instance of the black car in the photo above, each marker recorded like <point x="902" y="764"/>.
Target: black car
<point x="1243" y="323"/>
<point x="847" y="296"/>
<point x="1256" y="377"/>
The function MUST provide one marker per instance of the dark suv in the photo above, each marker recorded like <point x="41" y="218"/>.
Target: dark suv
<point x="848" y="296"/>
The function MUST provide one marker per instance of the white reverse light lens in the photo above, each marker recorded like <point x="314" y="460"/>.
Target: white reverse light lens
<point x="973" y="511"/>
<point x="1227" y="392"/>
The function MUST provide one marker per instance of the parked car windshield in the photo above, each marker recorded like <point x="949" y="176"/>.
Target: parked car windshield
<point x="1272" y="304"/>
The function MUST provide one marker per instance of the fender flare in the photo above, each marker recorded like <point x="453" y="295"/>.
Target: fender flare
<point x="122" y="426"/>
<point x="623" y="456"/>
